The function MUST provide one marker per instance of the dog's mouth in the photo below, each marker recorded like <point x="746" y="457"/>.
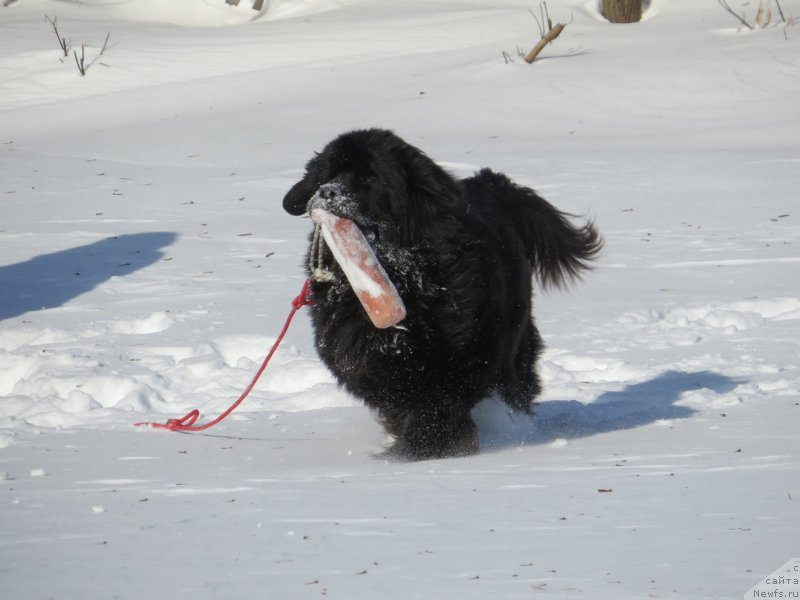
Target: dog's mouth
<point x="336" y="198"/>
<point x="355" y="257"/>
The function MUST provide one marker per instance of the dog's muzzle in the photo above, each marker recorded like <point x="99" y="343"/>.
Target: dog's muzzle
<point x="333" y="197"/>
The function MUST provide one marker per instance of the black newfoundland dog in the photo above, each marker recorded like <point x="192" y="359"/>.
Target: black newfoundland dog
<point x="462" y="255"/>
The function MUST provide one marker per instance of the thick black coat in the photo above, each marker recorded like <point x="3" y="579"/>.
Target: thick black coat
<point x="462" y="255"/>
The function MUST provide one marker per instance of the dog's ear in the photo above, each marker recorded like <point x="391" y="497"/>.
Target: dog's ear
<point x="435" y="198"/>
<point x="296" y="199"/>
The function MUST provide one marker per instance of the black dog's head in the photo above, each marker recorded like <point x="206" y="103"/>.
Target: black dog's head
<point x="385" y="185"/>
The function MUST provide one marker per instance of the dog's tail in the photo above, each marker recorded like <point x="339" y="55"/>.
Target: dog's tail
<point x="559" y="250"/>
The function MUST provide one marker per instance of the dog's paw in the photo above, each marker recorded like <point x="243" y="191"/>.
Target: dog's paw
<point x="419" y="448"/>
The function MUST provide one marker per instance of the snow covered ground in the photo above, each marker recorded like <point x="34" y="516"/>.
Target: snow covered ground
<point x="146" y="264"/>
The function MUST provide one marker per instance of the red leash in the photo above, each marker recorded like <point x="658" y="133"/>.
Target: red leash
<point x="186" y="422"/>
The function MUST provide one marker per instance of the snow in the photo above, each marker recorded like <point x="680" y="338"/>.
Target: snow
<point x="147" y="266"/>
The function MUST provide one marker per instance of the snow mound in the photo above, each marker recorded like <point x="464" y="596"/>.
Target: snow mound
<point x="58" y="379"/>
<point x="155" y="323"/>
<point x="727" y="317"/>
<point x="185" y="13"/>
<point x="285" y="9"/>
<point x="191" y="13"/>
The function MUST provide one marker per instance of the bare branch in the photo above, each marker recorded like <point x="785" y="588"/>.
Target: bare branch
<point x="547" y="31"/>
<point x="780" y="11"/>
<point x="546" y="39"/>
<point x="724" y="4"/>
<point x="62" y="41"/>
<point x="546" y="15"/>
<point x="538" y="23"/>
<point x="80" y="63"/>
<point x="105" y="44"/>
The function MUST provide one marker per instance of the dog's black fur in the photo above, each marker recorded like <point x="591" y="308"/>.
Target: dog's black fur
<point x="462" y="255"/>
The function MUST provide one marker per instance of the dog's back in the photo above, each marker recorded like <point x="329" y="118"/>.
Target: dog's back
<point x="558" y="250"/>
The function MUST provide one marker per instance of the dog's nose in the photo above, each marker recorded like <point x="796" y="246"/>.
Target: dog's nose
<point x="329" y="191"/>
<point x="328" y="196"/>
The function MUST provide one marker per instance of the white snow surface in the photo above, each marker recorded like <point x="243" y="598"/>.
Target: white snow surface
<point x="146" y="266"/>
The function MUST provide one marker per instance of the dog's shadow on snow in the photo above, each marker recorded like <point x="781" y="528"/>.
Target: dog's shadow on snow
<point x="636" y="405"/>
<point x="51" y="280"/>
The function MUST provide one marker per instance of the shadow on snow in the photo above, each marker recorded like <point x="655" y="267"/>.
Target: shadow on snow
<point x="637" y="405"/>
<point x="52" y="280"/>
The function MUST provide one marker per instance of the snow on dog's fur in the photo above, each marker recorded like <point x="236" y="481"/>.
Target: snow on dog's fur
<point x="462" y="255"/>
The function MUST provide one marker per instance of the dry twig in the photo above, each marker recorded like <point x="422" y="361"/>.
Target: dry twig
<point x="546" y="39"/>
<point x="724" y="4"/>
<point x="105" y="44"/>
<point x="62" y="41"/>
<point x="545" y="18"/>
<point x="80" y="60"/>
<point x="780" y="11"/>
<point x="548" y="31"/>
<point x="80" y="63"/>
<point x="764" y="14"/>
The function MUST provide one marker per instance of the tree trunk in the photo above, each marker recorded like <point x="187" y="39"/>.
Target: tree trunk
<point x="622" y="11"/>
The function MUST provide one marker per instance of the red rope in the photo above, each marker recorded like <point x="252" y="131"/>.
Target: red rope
<point x="187" y="422"/>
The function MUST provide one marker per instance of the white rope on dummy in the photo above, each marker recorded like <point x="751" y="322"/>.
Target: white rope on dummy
<point x="318" y="272"/>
